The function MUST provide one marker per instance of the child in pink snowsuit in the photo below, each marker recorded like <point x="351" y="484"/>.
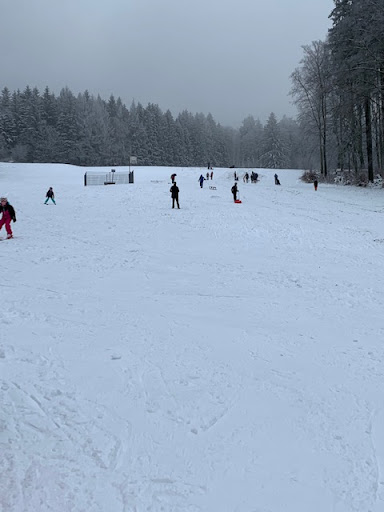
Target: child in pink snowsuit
<point x="8" y="214"/>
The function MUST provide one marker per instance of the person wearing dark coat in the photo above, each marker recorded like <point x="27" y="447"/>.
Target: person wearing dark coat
<point x="173" y="176"/>
<point x="50" y="195"/>
<point x="201" y="180"/>
<point x="174" y="190"/>
<point x="8" y="214"/>
<point x="234" y="191"/>
<point x="315" y="184"/>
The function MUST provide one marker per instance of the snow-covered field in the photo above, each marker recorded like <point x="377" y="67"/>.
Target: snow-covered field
<point x="216" y="358"/>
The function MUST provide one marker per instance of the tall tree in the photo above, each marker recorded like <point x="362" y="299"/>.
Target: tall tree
<point x="273" y="148"/>
<point x="68" y="128"/>
<point x="311" y="89"/>
<point x="357" y="46"/>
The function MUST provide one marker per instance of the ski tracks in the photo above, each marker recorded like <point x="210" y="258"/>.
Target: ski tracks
<point x="376" y="429"/>
<point x="53" y="440"/>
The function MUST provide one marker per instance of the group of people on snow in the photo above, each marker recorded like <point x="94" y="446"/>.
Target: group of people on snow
<point x="174" y="190"/>
<point x="9" y="215"/>
<point x="254" y="178"/>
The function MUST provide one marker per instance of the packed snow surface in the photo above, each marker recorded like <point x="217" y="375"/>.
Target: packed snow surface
<point x="218" y="358"/>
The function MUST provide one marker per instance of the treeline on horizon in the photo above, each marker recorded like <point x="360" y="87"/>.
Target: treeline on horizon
<point x="87" y="130"/>
<point x="338" y="90"/>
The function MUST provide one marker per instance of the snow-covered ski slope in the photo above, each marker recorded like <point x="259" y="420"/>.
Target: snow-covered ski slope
<point x="216" y="358"/>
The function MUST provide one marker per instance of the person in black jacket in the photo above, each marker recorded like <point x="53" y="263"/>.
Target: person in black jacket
<point x="50" y="195"/>
<point x="8" y="214"/>
<point x="174" y="190"/>
<point x="234" y="191"/>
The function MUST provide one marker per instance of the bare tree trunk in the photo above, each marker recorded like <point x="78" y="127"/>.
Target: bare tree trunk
<point x="360" y="148"/>
<point x="339" y="134"/>
<point x="368" y="132"/>
<point x="324" y="121"/>
<point x="381" y="122"/>
<point x="376" y="123"/>
<point x="356" y="137"/>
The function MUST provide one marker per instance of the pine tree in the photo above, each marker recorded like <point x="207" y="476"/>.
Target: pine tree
<point x="68" y="128"/>
<point x="251" y="138"/>
<point x="8" y="133"/>
<point x="274" y="151"/>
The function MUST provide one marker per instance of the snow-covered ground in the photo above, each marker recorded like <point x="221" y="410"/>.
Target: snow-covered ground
<point x="216" y="358"/>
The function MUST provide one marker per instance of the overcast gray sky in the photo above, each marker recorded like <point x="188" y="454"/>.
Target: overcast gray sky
<point x="231" y="58"/>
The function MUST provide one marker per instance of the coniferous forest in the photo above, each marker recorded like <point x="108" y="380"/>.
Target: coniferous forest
<point x="338" y="90"/>
<point x="84" y="130"/>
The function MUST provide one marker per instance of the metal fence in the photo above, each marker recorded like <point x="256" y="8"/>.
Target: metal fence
<point x="109" y="178"/>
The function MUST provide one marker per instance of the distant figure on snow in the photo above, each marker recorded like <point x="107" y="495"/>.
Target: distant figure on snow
<point x="315" y="184"/>
<point x="246" y="177"/>
<point x="174" y="190"/>
<point x="211" y="175"/>
<point x="254" y="177"/>
<point x="201" y="180"/>
<point x="173" y="176"/>
<point x="50" y="195"/>
<point x="207" y="176"/>
<point x="277" y="181"/>
<point x="8" y="214"/>
<point x="234" y="191"/>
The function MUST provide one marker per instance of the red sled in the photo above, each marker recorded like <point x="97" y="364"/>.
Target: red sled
<point x="238" y="201"/>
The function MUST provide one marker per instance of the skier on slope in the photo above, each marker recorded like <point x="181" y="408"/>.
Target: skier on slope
<point x="201" y="180"/>
<point x="8" y="214"/>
